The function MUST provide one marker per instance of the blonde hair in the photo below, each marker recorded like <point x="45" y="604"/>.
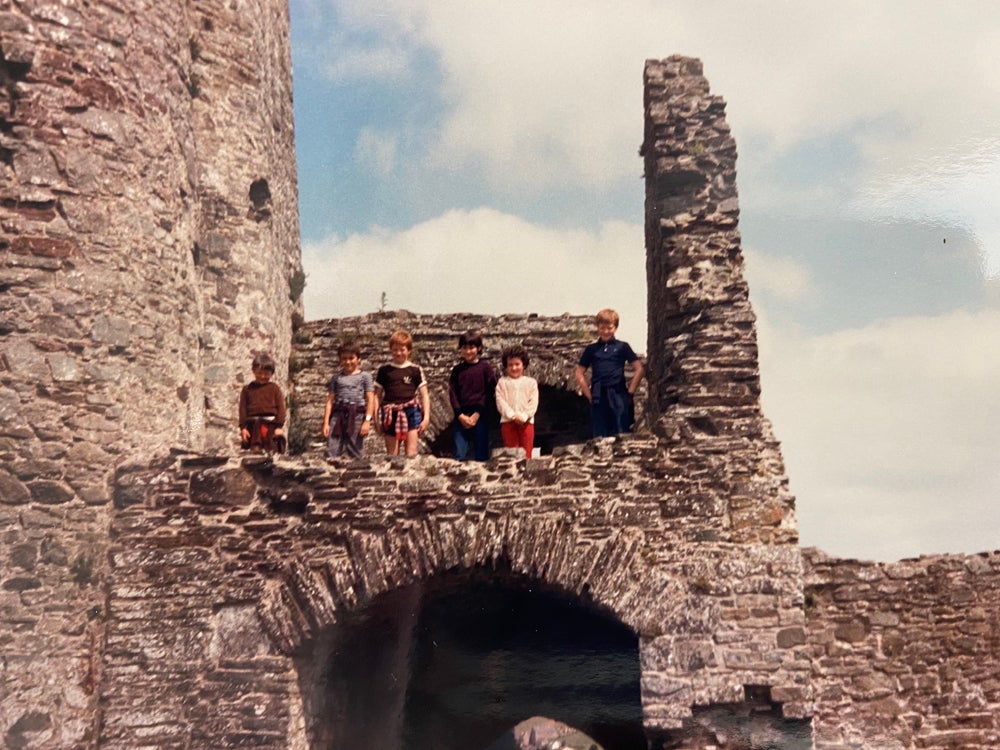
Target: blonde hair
<point x="607" y="315"/>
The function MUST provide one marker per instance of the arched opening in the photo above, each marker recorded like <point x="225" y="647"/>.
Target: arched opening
<point x="458" y="661"/>
<point x="563" y="418"/>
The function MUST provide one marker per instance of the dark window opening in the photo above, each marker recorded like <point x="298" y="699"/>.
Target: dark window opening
<point x="260" y="194"/>
<point x="260" y="201"/>
<point x="563" y="418"/>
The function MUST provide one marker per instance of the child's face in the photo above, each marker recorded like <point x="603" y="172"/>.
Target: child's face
<point x="515" y="367"/>
<point x="606" y="330"/>
<point x="400" y="353"/>
<point x="349" y="363"/>
<point x="261" y="375"/>
<point x="470" y="353"/>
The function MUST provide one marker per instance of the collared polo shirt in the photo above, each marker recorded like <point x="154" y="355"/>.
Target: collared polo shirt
<point x="606" y="360"/>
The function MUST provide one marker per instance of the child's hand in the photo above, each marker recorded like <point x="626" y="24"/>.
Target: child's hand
<point x="245" y="435"/>
<point x="278" y="431"/>
<point x="365" y="428"/>
<point x="465" y="421"/>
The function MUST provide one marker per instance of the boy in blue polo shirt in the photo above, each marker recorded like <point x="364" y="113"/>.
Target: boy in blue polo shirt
<point x="611" y="399"/>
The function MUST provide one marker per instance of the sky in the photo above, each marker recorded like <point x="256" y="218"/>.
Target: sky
<point x="465" y="156"/>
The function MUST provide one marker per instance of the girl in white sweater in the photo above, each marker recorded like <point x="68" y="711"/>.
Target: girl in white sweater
<point x="517" y="400"/>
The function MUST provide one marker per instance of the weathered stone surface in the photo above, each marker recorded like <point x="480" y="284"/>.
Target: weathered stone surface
<point x="106" y="117"/>
<point x="139" y="275"/>
<point x="890" y="649"/>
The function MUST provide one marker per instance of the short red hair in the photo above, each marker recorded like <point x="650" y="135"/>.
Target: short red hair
<point x="401" y="338"/>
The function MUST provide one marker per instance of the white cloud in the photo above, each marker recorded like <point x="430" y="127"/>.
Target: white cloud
<point x="889" y="433"/>
<point x="541" y="94"/>
<point x="366" y="42"/>
<point x="482" y="261"/>
<point x="352" y="63"/>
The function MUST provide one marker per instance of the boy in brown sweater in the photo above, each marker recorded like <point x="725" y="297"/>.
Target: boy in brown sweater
<point x="262" y="408"/>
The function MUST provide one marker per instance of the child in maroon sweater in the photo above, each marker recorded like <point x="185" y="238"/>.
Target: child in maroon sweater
<point x="262" y="407"/>
<point x="471" y="392"/>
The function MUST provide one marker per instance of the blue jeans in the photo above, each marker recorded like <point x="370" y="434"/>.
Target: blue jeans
<point x="478" y="438"/>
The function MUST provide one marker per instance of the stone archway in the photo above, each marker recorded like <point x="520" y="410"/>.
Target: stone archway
<point x="459" y="659"/>
<point x="309" y="607"/>
<point x="610" y="572"/>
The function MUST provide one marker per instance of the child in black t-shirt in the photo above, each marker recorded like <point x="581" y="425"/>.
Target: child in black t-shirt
<point x="405" y="404"/>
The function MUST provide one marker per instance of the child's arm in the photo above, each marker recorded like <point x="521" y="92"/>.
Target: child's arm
<point x="636" y="376"/>
<point x="327" y="413"/>
<point x="466" y="420"/>
<point x="581" y="381"/>
<point x="369" y="413"/>
<point x="425" y="407"/>
<point x="376" y="405"/>
<point x="532" y="406"/>
<point x="456" y="403"/>
<point x="244" y="432"/>
<point x="279" y="418"/>
<point x="503" y="405"/>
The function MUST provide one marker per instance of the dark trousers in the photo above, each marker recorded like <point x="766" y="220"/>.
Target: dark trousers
<point x="477" y="438"/>
<point x="613" y="413"/>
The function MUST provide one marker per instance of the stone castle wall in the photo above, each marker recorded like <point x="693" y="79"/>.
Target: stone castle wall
<point x="226" y="574"/>
<point x="149" y="234"/>
<point x="686" y="534"/>
<point x="704" y="381"/>
<point x="905" y="654"/>
<point x="158" y="592"/>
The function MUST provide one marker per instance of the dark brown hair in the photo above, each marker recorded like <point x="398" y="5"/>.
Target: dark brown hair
<point x="515" y="352"/>
<point x="263" y="361"/>
<point x="349" y="347"/>
<point x="471" y="338"/>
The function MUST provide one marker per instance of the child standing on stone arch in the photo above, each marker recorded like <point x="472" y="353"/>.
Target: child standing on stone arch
<point x="612" y="409"/>
<point x="262" y="408"/>
<point x="470" y="390"/>
<point x="517" y="400"/>
<point x="350" y="407"/>
<point x="403" y="398"/>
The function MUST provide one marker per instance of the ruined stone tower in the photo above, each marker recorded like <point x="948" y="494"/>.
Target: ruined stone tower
<point x="149" y="243"/>
<point x="157" y="590"/>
